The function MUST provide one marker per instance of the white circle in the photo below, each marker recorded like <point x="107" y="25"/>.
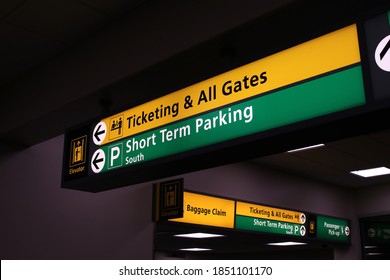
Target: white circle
<point x="98" y="160"/>
<point x="347" y="231"/>
<point x="303" y="218"/>
<point x="99" y="133"/>
<point x="303" y="230"/>
<point x="382" y="56"/>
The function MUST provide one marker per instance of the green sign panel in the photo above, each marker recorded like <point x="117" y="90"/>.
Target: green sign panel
<point x="377" y="232"/>
<point x="333" y="229"/>
<point x="331" y="93"/>
<point x="269" y="226"/>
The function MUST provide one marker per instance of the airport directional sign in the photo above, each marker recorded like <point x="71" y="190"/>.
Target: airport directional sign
<point x="313" y="79"/>
<point x="207" y="210"/>
<point x="330" y="53"/>
<point x="335" y="229"/>
<point x="214" y="211"/>
<point x="255" y="217"/>
<point x="270" y="226"/>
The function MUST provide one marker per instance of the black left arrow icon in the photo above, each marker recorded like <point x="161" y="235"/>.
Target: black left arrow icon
<point x="98" y="132"/>
<point x="97" y="160"/>
<point x="385" y="50"/>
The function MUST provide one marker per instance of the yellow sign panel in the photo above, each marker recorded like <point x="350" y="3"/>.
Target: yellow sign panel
<point x="269" y="213"/>
<point x="310" y="59"/>
<point x="207" y="210"/>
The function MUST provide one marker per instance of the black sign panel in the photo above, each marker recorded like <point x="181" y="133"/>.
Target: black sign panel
<point x="168" y="200"/>
<point x="377" y="32"/>
<point x="375" y="237"/>
<point x="76" y="154"/>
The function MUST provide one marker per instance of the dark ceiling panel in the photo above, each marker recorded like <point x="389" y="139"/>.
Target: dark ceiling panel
<point x="113" y="7"/>
<point x="329" y="157"/>
<point x="62" y="20"/>
<point x="24" y="47"/>
<point x="33" y="32"/>
<point x="333" y="162"/>
<point x="10" y="70"/>
<point x="7" y="6"/>
<point x="366" y="148"/>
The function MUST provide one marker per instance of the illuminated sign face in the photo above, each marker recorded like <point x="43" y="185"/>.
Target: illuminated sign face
<point x="335" y="229"/>
<point x="219" y="212"/>
<point x="241" y="102"/>
<point x="267" y="219"/>
<point x="270" y="213"/>
<point x="207" y="210"/>
<point x="316" y="78"/>
<point x="330" y="52"/>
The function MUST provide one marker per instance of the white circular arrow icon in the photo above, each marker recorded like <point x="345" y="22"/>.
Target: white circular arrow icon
<point x="99" y="133"/>
<point x="303" y="230"/>
<point x="303" y="218"/>
<point x="382" y="54"/>
<point x="347" y="231"/>
<point x="98" y="161"/>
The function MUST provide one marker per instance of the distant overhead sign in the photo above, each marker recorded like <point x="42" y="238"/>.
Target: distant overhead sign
<point x="270" y="219"/>
<point x="335" y="229"/>
<point x="206" y="210"/>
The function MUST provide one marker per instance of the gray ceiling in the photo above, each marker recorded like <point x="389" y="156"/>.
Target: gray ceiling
<point x="37" y="33"/>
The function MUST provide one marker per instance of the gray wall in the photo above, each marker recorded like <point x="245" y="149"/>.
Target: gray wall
<point x="42" y="221"/>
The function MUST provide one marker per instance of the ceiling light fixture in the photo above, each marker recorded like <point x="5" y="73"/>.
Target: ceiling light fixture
<point x="195" y="249"/>
<point x="199" y="235"/>
<point x="370" y="247"/>
<point x="371" y="172"/>
<point x="306" y="148"/>
<point x="374" y="254"/>
<point x="288" y="243"/>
